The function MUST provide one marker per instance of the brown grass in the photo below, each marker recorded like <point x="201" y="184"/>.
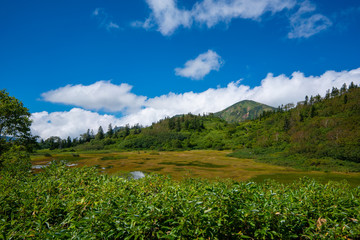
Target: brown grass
<point x="209" y="164"/>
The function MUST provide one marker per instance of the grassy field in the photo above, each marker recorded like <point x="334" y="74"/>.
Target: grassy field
<point x="209" y="164"/>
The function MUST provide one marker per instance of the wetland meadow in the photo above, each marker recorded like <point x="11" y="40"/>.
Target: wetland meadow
<point x="208" y="164"/>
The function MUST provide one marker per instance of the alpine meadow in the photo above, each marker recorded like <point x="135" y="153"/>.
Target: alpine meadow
<point x="173" y="119"/>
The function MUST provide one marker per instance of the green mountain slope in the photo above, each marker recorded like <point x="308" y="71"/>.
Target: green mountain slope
<point x="320" y="132"/>
<point x="321" y="128"/>
<point x="244" y="110"/>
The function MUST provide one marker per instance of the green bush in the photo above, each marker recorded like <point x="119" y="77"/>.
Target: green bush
<point x="15" y="162"/>
<point x="63" y="203"/>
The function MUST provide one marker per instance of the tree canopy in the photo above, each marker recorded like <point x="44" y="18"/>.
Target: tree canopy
<point x="14" y="117"/>
<point x="15" y="137"/>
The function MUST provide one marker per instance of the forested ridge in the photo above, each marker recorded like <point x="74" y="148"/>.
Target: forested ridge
<point x="318" y="127"/>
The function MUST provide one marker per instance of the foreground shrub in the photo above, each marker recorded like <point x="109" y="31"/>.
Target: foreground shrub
<point x="15" y="162"/>
<point x="64" y="203"/>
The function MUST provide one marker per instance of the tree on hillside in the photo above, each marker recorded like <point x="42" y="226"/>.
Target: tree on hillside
<point x="127" y="130"/>
<point x="110" y="131"/>
<point x="343" y="89"/>
<point x="352" y="86"/>
<point x="100" y="134"/>
<point x="86" y="137"/>
<point x="68" y="142"/>
<point x="335" y="92"/>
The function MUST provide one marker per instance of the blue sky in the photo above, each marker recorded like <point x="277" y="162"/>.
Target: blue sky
<point x="81" y="64"/>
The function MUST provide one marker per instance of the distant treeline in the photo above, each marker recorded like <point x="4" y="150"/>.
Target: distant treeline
<point x="316" y="127"/>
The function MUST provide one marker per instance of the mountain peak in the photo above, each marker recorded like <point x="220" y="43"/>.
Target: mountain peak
<point x="242" y="111"/>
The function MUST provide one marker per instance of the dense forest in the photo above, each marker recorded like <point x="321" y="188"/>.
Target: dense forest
<point x="318" y="127"/>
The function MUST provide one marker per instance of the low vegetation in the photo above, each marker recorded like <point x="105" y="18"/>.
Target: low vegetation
<point x="65" y="203"/>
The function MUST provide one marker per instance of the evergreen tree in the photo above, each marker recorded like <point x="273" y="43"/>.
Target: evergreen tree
<point x="100" y="134"/>
<point x="343" y="89"/>
<point x="312" y="100"/>
<point x="92" y="135"/>
<point x="286" y="123"/>
<point x="85" y="137"/>
<point x="317" y="98"/>
<point x="68" y="142"/>
<point x="327" y="95"/>
<point x="178" y="125"/>
<point x="127" y="130"/>
<point x="352" y="86"/>
<point x="171" y="123"/>
<point x="110" y="131"/>
<point x="312" y="111"/>
<point x="334" y="92"/>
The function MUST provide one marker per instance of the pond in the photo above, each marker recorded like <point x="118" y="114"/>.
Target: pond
<point x="137" y="175"/>
<point x="37" y="166"/>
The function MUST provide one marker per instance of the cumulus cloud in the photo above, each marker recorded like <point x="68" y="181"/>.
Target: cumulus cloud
<point x="167" y="16"/>
<point x="304" y="23"/>
<point x="71" y="123"/>
<point x="104" y="19"/>
<point x="102" y="95"/>
<point x="274" y="91"/>
<point x="201" y="66"/>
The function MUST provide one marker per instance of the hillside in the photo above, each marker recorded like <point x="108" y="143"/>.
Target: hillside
<point x="311" y="135"/>
<point x="313" y="132"/>
<point x="243" y="110"/>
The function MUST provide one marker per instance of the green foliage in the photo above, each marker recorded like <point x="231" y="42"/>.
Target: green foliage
<point x="63" y="203"/>
<point x="15" y="162"/>
<point x="14" y="122"/>
<point x="14" y="117"/>
<point x="100" y="134"/>
<point x="90" y="146"/>
<point x="321" y="129"/>
<point x="15" y="138"/>
<point x="110" y="131"/>
<point x="280" y="157"/>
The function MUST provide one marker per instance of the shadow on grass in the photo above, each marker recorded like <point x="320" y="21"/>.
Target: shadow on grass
<point x="194" y="164"/>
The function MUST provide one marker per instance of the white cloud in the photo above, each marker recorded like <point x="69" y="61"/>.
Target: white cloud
<point x="112" y="25"/>
<point x="304" y="23"/>
<point x="212" y="12"/>
<point x="282" y="89"/>
<point x="199" y="67"/>
<point x="167" y="16"/>
<point x="274" y="91"/>
<point x="102" y="95"/>
<point x="104" y="19"/>
<point x="71" y="123"/>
